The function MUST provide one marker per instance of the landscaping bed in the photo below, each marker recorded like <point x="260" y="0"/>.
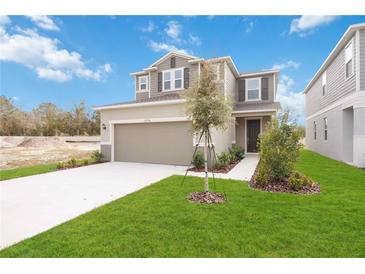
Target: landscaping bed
<point x="284" y="185"/>
<point x="224" y="169"/>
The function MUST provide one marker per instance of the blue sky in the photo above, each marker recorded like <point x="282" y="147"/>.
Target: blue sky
<point x="66" y="59"/>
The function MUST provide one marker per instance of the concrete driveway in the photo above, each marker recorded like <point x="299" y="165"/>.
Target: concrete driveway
<point x="34" y="204"/>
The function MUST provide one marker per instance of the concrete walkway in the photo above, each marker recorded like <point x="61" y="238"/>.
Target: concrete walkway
<point x="33" y="204"/>
<point x="242" y="171"/>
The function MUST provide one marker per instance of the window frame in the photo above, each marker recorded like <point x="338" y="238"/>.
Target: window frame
<point x="350" y="43"/>
<point x="325" y="129"/>
<point x="324" y="83"/>
<point x="140" y="83"/>
<point x="247" y="90"/>
<point x="172" y="79"/>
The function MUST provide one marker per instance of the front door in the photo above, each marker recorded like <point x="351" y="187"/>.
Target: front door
<point x="253" y="131"/>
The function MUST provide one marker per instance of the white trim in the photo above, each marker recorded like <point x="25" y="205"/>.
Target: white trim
<point x="176" y="53"/>
<point x="111" y="137"/>
<point x="172" y="79"/>
<point x="251" y="118"/>
<point x="133" y="105"/>
<point x="333" y="53"/>
<point x="254" y="111"/>
<point x="258" y="73"/>
<point x="246" y="89"/>
<point x="150" y="120"/>
<point x="147" y="83"/>
<point x="353" y="99"/>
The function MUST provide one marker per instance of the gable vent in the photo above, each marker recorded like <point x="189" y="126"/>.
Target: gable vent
<point x="173" y="62"/>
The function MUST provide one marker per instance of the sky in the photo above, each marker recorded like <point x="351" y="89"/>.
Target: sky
<point x="66" y="59"/>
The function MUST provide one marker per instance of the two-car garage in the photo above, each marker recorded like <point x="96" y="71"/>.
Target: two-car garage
<point x="168" y="142"/>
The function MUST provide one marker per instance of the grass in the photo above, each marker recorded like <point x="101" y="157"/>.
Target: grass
<point x="31" y="170"/>
<point x="157" y="221"/>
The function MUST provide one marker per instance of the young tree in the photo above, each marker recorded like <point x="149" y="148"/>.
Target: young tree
<point x="208" y="108"/>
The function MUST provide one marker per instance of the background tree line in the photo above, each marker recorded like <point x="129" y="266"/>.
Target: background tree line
<point x="47" y="120"/>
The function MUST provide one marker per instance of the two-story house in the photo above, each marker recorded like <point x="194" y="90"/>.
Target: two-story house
<point x="154" y="127"/>
<point x="335" y="101"/>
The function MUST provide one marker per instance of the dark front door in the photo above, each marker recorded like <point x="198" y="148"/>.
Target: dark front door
<point x="253" y="131"/>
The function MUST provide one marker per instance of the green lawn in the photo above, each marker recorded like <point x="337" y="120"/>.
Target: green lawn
<point x="157" y="221"/>
<point x="31" y="170"/>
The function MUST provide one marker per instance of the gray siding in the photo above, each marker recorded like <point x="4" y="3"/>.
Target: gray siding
<point x="231" y="82"/>
<point x="337" y="84"/>
<point x="362" y="59"/>
<point x="106" y="151"/>
<point x="142" y="95"/>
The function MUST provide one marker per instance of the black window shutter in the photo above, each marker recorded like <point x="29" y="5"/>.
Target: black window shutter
<point x="241" y="90"/>
<point x="265" y="88"/>
<point x="186" y="78"/>
<point x="159" y="80"/>
<point x="137" y="84"/>
<point x="173" y="62"/>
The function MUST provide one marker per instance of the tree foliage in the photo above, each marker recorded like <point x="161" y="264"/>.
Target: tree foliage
<point x="207" y="106"/>
<point x="279" y="150"/>
<point x="47" y="120"/>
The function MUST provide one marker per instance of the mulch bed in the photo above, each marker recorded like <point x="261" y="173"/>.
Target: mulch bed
<point x="225" y="169"/>
<point x="81" y="165"/>
<point x="206" y="197"/>
<point x="283" y="186"/>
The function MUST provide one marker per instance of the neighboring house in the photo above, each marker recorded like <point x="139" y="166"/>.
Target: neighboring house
<point x="154" y="127"/>
<point x="335" y="101"/>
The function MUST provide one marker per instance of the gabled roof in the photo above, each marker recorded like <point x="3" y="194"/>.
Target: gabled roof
<point x="171" y="53"/>
<point x="340" y="44"/>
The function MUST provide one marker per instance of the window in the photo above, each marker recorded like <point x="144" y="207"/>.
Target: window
<point x="315" y="130"/>
<point x="173" y="79"/>
<point x="325" y="128"/>
<point x="324" y="83"/>
<point x="143" y="83"/>
<point x="253" y="89"/>
<point x="349" y="52"/>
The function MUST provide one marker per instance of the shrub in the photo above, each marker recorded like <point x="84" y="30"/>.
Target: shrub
<point x="237" y="152"/>
<point x="279" y="150"/>
<point x="97" y="156"/>
<point x="297" y="181"/>
<point x="86" y="162"/>
<point x="60" y="165"/>
<point x="72" y="162"/>
<point x="198" y="160"/>
<point x="223" y="160"/>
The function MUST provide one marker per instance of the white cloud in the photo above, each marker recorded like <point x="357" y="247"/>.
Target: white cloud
<point x="15" y="98"/>
<point x="306" y="24"/>
<point x="290" y="100"/>
<point x="211" y="17"/>
<point x="150" y="27"/>
<point x="4" y="20"/>
<point x="173" y="29"/>
<point x="289" y="64"/>
<point x="44" y="56"/>
<point x="107" y="68"/>
<point x="44" y="22"/>
<point x="194" y="40"/>
<point x="249" y="26"/>
<point x="157" y="47"/>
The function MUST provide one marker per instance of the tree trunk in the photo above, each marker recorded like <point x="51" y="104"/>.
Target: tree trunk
<point x="206" y="184"/>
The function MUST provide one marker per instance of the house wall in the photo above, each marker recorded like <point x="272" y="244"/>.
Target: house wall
<point x="334" y="145"/>
<point x="337" y="84"/>
<point x="230" y="82"/>
<point x="362" y="59"/>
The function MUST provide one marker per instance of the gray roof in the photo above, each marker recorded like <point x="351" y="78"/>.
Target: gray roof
<point x="162" y="97"/>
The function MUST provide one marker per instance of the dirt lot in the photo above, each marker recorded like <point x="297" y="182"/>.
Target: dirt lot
<point x="26" y="151"/>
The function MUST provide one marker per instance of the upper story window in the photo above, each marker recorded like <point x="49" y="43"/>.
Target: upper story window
<point x="324" y="83"/>
<point x="325" y="128"/>
<point x="143" y="83"/>
<point x="349" y="56"/>
<point x="173" y="79"/>
<point x="253" y="89"/>
<point x="314" y="130"/>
